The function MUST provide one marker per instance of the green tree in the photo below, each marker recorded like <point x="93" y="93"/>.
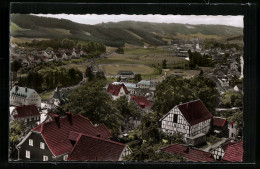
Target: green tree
<point x="16" y="129"/>
<point x="89" y="74"/>
<point x="164" y="64"/>
<point x="92" y="102"/>
<point x="137" y="77"/>
<point x="120" y="50"/>
<point x="67" y="43"/>
<point x="175" y="90"/>
<point x="238" y="118"/>
<point x="15" y="66"/>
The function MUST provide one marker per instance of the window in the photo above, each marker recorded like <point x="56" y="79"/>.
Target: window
<point x="175" y="117"/>
<point x="27" y="154"/>
<point x="42" y="145"/>
<point x="30" y="119"/>
<point x="65" y="157"/>
<point x="30" y="142"/>
<point x="45" y="158"/>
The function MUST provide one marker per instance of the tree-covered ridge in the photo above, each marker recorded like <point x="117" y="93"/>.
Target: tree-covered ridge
<point x="112" y="34"/>
<point x="50" y="78"/>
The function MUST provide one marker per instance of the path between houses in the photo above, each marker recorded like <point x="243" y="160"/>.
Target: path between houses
<point x="223" y="140"/>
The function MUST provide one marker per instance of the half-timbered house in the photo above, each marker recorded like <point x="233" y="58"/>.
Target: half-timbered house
<point x="188" y="119"/>
<point x="218" y="152"/>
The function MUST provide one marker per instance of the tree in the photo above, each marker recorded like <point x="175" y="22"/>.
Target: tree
<point x="164" y="64"/>
<point x="92" y="102"/>
<point x="120" y="50"/>
<point x="67" y="43"/>
<point x="89" y="74"/>
<point x="174" y="90"/>
<point x="16" y="129"/>
<point x="15" y="66"/>
<point x="126" y="109"/>
<point x="238" y="118"/>
<point x="201" y="72"/>
<point x="137" y="77"/>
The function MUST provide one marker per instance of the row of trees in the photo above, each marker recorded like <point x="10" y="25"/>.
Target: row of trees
<point x="88" y="46"/>
<point x="49" y="78"/>
<point x="196" y="59"/>
<point x="215" y="44"/>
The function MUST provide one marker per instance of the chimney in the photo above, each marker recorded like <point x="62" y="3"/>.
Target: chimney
<point x="187" y="149"/>
<point x="57" y="120"/>
<point x="69" y="116"/>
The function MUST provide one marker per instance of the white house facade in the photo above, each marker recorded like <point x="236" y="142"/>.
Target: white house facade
<point x="187" y="119"/>
<point x="24" y="96"/>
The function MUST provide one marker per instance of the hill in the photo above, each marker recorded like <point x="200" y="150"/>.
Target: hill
<point x="114" y="34"/>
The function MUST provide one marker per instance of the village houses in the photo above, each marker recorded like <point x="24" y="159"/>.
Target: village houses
<point x="72" y="137"/>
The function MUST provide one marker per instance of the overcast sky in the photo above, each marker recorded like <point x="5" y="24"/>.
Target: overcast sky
<point x="93" y="19"/>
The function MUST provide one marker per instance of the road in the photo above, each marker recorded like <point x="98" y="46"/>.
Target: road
<point x="223" y="140"/>
<point x="215" y="79"/>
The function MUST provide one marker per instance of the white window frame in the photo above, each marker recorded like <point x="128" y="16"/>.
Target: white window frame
<point x="45" y="158"/>
<point x="27" y="154"/>
<point x="42" y="145"/>
<point x="30" y="142"/>
<point x="65" y="157"/>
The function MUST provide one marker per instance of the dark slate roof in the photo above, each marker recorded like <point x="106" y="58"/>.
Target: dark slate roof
<point x="22" y="92"/>
<point x="192" y="154"/>
<point x="194" y="112"/>
<point x="92" y="148"/>
<point x="57" y="139"/>
<point x="141" y="101"/>
<point x="26" y="111"/>
<point x="234" y="153"/>
<point x="219" y="122"/>
<point x="115" y="89"/>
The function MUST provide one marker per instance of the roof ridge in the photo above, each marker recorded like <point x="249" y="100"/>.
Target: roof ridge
<point x="103" y="139"/>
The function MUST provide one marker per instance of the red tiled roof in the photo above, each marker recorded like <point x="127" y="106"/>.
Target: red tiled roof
<point x="26" y="111"/>
<point x="195" y="112"/>
<point x="226" y="145"/>
<point x="234" y="153"/>
<point x="57" y="139"/>
<point x="141" y="101"/>
<point x="115" y="89"/>
<point x="91" y="148"/>
<point x="193" y="155"/>
<point x="219" y="122"/>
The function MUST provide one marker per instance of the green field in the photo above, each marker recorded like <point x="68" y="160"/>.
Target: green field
<point x="112" y="69"/>
<point x="142" y="51"/>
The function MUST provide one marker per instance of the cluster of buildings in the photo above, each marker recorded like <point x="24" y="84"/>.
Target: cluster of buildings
<point x="51" y="137"/>
<point x="33" y="57"/>
<point x="193" y="121"/>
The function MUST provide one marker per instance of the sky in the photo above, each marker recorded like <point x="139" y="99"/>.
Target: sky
<point x="93" y="19"/>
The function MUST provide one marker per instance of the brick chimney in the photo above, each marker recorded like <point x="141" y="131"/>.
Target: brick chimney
<point x="57" y="120"/>
<point x="69" y="116"/>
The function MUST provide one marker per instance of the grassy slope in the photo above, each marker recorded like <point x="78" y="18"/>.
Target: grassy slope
<point x="113" y="34"/>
